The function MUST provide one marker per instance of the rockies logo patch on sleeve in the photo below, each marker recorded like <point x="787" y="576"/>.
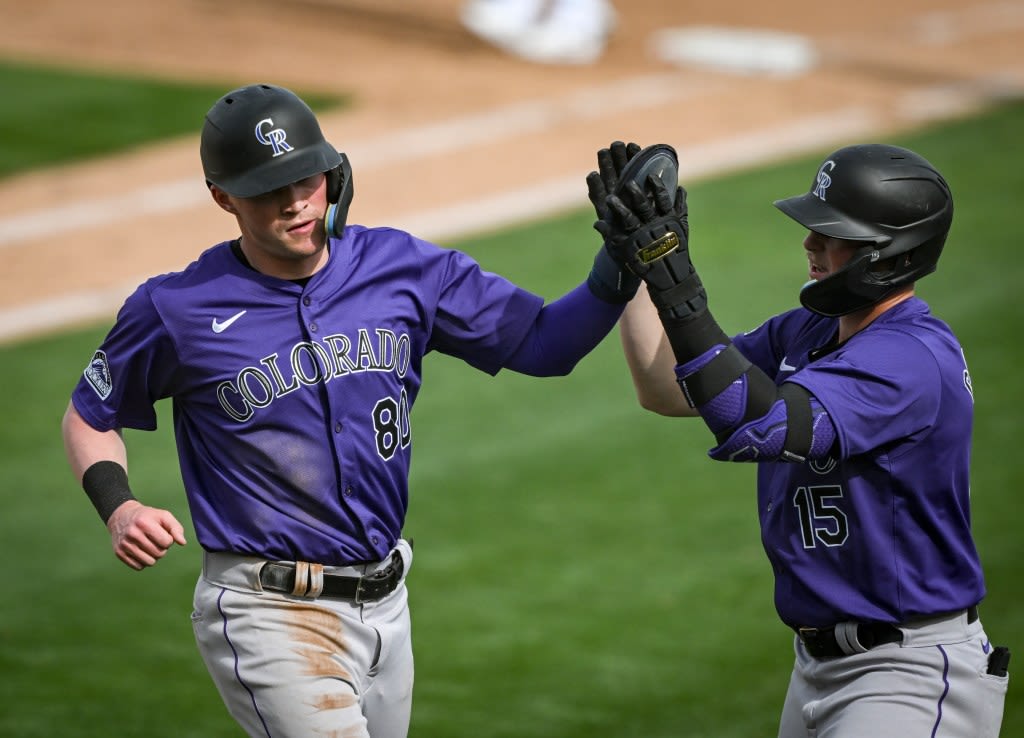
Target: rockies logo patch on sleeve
<point x="98" y="375"/>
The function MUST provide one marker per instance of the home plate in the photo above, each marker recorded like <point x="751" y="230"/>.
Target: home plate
<point x="741" y="51"/>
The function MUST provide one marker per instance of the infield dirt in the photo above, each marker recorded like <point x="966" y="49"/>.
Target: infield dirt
<point x="443" y="126"/>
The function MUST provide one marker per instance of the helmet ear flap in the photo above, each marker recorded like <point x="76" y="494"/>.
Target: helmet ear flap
<point x="339" y="196"/>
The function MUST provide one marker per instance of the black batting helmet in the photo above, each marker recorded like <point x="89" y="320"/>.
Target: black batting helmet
<point x="261" y="137"/>
<point x="886" y="196"/>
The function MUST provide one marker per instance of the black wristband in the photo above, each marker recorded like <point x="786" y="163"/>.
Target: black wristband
<point x="106" y="484"/>
<point x="610" y="282"/>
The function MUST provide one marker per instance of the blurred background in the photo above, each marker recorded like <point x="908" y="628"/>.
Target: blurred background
<point x="566" y="584"/>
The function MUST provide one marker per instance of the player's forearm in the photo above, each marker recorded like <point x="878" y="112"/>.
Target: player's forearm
<point x="650" y="359"/>
<point x="565" y="331"/>
<point x="84" y="445"/>
<point x="99" y="461"/>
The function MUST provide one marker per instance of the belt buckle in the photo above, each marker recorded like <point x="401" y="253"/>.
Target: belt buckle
<point x="376" y="583"/>
<point x="810" y="637"/>
<point x="806" y="632"/>
<point x="357" y="598"/>
<point x="368" y="588"/>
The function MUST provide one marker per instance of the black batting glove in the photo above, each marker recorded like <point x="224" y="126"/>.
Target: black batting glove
<point x="647" y="230"/>
<point x="610" y="163"/>
<point x="608" y="279"/>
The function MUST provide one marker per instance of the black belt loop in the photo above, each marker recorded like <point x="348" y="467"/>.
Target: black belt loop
<point x="280" y="577"/>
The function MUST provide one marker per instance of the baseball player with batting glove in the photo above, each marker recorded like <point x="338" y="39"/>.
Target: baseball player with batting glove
<point x="293" y="357"/>
<point x="857" y="408"/>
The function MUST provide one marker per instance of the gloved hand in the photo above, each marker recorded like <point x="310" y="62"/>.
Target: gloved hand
<point x="610" y="163"/>
<point x="647" y="230"/>
<point x="608" y="279"/>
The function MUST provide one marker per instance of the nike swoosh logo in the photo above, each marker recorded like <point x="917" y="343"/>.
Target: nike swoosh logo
<point x="784" y="367"/>
<point x="219" y="327"/>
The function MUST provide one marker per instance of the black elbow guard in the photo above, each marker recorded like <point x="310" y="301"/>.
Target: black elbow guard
<point x="755" y="399"/>
<point x="716" y="375"/>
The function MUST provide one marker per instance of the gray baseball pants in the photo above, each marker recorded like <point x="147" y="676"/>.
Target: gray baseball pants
<point x="932" y="685"/>
<point x="294" y="667"/>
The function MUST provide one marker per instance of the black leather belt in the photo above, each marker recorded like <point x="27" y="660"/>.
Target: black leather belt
<point x="821" y="643"/>
<point x="280" y="577"/>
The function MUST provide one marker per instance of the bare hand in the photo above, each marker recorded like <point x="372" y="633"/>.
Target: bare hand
<point x="141" y="535"/>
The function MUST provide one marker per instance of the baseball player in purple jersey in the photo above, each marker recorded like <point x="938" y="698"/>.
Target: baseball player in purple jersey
<point x="857" y="408"/>
<point x="293" y="356"/>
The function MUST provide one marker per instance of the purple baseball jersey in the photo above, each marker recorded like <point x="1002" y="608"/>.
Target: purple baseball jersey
<point x="291" y="403"/>
<point x="879" y="530"/>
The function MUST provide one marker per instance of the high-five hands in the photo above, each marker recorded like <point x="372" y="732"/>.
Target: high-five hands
<point x="609" y="279"/>
<point x="646" y="229"/>
<point x="610" y="163"/>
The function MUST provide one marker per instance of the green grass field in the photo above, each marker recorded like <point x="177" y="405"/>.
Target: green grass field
<point x="583" y="569"/>
<point x="63" y="116"/>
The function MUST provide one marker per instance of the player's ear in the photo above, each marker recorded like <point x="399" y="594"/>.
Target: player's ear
<point x="222" y="199"/>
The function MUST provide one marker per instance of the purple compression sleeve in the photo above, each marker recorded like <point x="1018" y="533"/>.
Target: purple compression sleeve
<point x="565" y="331"/>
